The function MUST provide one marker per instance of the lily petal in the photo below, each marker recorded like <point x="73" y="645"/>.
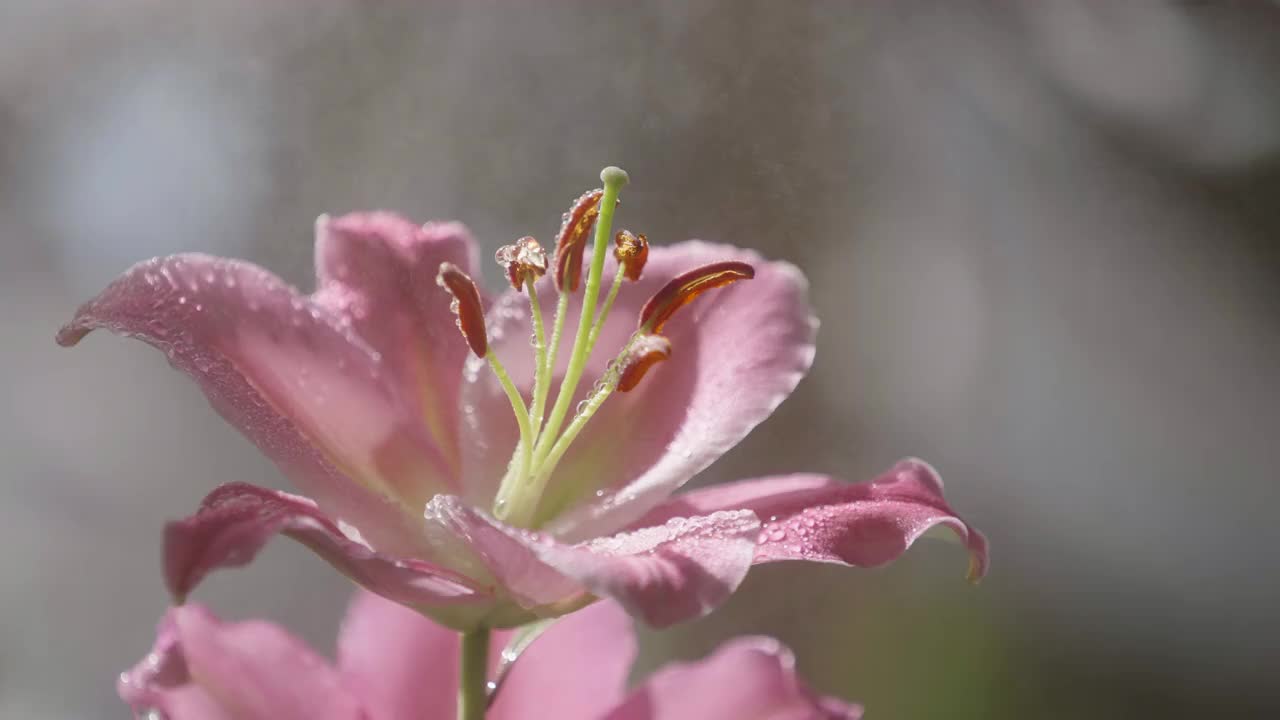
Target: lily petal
<point x="736" y="354"/>
<point x="203" y="669"/>
<point x="674" y="571"/>
<point x="815" y="517"/>
<point x="236" y="520"/>
<point x="744" y="678"/>
<point x="577" y="669"/>
<point x="399" y="662"/>
<point x="379" y="270"/>
<point x="288" y="372"/>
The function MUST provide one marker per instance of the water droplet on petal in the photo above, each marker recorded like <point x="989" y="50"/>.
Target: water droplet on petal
<point x="777" y="533"/>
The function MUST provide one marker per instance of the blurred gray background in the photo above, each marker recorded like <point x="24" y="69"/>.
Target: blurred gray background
<point x="1041" y="236"/>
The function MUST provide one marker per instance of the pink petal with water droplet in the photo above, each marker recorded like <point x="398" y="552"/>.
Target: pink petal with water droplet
<point x="292" y="374"/>
<point x="235" y="521"/>
<point x="674" y="571"/>
<point x="818" y="518"/>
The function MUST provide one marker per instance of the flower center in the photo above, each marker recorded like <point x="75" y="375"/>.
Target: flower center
<point x="545" y="437"/>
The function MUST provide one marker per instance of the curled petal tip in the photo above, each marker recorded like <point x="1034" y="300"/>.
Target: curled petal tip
<point x="70" y="334"/>
<point x="979" y="558"/>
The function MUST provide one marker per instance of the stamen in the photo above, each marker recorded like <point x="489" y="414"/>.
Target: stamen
<point x="525" y="261"/>
<point x="572" y="239"/>
<point x="466" y="305"/>
<point x="631" y="252"/>
<point x="683" y="288"/>
<point x="646" y="351"/>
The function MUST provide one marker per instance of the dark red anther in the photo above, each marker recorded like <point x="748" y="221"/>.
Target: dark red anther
<point x="572" y="240"/>
<point x="631" y="252"/>
<point x="523" y="260"/>
<point x="466" y="305"/>
<point x="647" y="351"/>
<point x="683" y="288"/>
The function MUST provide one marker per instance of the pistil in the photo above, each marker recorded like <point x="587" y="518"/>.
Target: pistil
<point x="613" y="178"/>
<point x="518" y="497"/>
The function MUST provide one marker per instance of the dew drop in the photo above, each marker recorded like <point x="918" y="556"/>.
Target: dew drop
<point x="152" y="714"/>
<point x="777" y="533"/>
<point x="182" y="299"/>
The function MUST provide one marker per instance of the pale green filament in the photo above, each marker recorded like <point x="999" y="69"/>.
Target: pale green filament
<point x="604" y="311"/>
<point x="540" y="399"/>
<point x="521" y="463"/>
<point x="541" y="367"/>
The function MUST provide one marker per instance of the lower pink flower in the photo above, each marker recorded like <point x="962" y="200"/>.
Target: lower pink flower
<point x="394" y="664"/>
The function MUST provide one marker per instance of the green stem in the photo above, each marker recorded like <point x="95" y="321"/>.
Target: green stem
<point x="613" y="178"/>
<point x="473" y="667"/>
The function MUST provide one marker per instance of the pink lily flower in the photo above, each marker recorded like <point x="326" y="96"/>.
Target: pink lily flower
<point x="477" y="497"/>
<point x="394" y="664"/>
